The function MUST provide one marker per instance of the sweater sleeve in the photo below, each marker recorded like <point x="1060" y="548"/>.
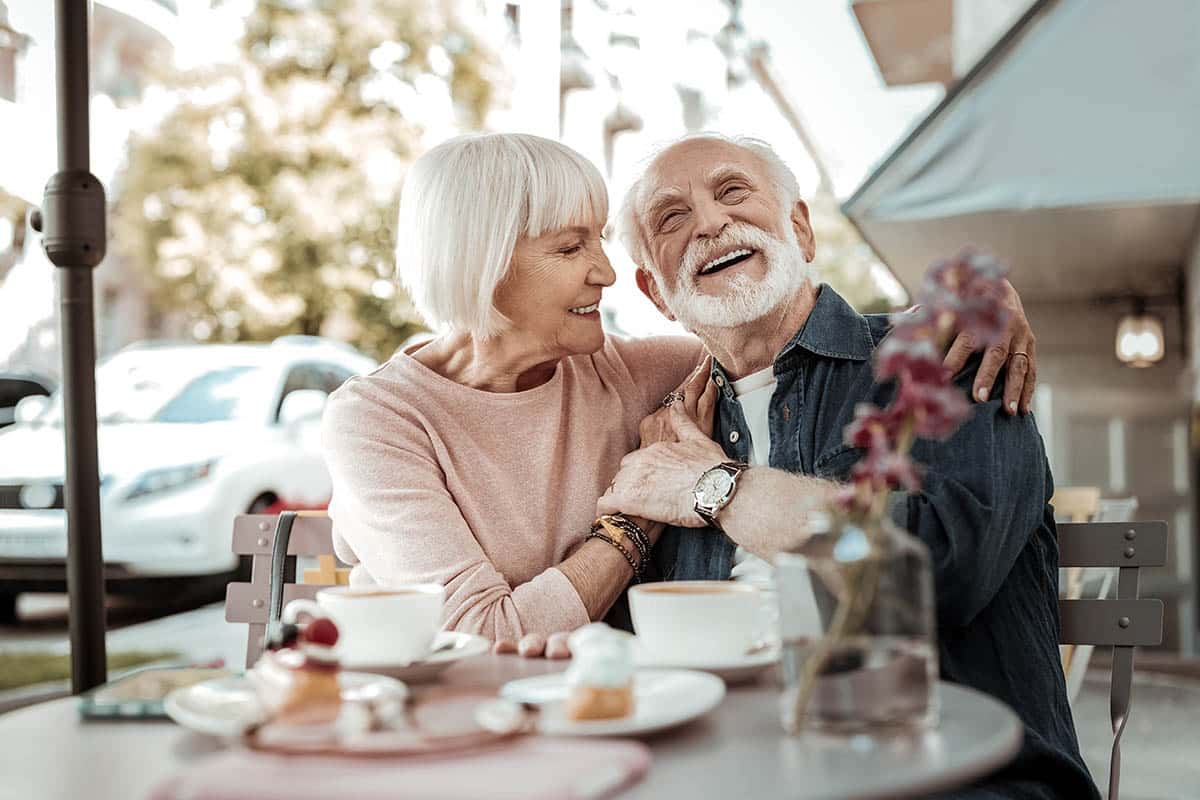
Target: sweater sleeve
<point x="394" y="516"/>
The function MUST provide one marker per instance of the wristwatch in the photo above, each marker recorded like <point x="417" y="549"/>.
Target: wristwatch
<point x="715" y="489"/>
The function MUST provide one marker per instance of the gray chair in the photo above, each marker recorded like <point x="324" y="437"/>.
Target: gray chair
<point x="1124" y="621"/>
<point x="274" y="543"/>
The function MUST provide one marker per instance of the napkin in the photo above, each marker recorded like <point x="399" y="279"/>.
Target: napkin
<point x="532" y="768"/>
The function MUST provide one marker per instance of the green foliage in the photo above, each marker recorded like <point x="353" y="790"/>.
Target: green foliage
<point x="26" y="668"/>
<point x="264" y="201"/>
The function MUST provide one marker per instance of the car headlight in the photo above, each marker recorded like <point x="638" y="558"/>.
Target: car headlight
<point x="162" y="480"/>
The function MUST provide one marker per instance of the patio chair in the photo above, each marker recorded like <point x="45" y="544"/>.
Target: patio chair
<point x="274" y="543"/>
<point x="1123" y="622"/>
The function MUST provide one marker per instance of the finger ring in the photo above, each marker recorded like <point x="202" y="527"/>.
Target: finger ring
<point x="1014" y="355"/>
<point x="671" y="399"/>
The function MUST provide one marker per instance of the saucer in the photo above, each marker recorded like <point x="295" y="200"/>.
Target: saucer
<point x="738" y="669"/>
<point x="229" y="707"/>
<point x="662" y="698"/>
<point x="449" y="647"/>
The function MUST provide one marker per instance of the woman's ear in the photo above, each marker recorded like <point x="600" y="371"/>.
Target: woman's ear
<point x="649" y="287"/>
<point x="804" y="232"/>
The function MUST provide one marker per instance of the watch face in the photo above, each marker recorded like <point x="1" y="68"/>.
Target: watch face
<point x="714" y="486"/>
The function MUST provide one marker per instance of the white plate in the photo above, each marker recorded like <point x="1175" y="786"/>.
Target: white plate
<point x="228" y="706"/>
<point x="734" y="670"/>
<point x="662" y="698"/>
<point x="449" y="648"/>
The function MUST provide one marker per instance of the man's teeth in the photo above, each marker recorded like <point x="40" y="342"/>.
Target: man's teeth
<point x="585" y="309"/>
<point x="717" y="262"/>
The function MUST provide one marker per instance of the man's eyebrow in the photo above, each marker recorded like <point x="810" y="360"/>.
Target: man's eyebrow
<point x="662" y="198"/>
<point x="723" y="172"/>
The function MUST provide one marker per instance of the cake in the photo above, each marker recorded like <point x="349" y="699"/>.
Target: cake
<point x="600" y="678"/>
<point x="297" y="677"/>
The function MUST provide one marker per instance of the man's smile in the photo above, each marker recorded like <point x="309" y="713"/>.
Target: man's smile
<point x="732" y="258"/>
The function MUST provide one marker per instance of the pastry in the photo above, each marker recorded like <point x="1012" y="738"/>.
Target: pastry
<point x="297" y="677"/>
<point x="600" y="678"/>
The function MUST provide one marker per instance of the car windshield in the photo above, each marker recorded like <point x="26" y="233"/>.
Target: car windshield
<point x="165" y="390"/>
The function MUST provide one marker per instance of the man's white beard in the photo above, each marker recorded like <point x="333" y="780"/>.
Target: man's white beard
<point x="745" y="299"/>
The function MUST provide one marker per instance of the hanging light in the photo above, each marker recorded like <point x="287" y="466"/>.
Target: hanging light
<point x="1140" y="341"/>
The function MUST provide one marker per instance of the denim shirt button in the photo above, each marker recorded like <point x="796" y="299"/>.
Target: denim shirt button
<point x="734" y="436"/>
<point x="719" y="380"/>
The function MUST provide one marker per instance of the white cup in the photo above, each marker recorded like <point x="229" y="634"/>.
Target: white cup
<point x="695" y="622"/>
<point x="379" y="625"/>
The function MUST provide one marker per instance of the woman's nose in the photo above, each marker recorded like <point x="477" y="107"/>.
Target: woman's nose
<point x="602" y="272"/>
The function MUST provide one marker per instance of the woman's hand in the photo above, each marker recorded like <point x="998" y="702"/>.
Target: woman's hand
<point x="699" y="403"/>
<point x="1016" y="352"/>
<point x="534" y="645"/>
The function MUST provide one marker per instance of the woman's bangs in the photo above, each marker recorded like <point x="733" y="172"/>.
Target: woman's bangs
<point x="563" y="191"/>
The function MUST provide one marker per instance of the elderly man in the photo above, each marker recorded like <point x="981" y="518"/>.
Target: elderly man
<point x="724" y="245"/>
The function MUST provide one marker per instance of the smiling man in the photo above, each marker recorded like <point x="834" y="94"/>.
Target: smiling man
<point x="724" y="245"/>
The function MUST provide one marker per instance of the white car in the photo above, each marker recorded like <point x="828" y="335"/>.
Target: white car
<point x="189" y="437"/>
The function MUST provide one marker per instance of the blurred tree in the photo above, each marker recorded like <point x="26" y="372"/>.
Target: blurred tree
<point x="263" y="202"/>
<point x="12" y="230"/>
<point x="844" y="260"/>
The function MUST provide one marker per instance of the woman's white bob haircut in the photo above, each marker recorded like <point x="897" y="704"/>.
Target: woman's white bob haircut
<point x="465" y="204"/>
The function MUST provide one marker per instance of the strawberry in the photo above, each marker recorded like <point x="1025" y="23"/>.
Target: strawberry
<point x="321" y="631"/>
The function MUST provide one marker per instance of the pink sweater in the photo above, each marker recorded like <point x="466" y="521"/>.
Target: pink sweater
<point x="485" y="492"/>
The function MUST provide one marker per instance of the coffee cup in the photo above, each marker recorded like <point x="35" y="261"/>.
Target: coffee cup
<point x="695" y="622"/>
<point x="379" y="625"/>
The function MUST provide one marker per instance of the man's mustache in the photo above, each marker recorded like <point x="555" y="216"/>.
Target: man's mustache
<point x="737" y="234"/>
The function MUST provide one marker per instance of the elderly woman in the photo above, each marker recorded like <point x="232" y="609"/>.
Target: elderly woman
<point x="475" y="460"/>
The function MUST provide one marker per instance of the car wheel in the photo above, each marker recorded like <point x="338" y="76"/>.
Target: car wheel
<point x="8" y="609"/>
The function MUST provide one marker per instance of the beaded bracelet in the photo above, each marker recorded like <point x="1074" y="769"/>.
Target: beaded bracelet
<point x="633" y="564"/>
<point x="630" y="529"/>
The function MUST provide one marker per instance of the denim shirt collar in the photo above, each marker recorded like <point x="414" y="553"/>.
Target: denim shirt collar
<point x="833" y="330"/>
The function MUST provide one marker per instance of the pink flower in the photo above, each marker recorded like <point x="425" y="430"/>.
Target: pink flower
<point x="887" y="468"/>
<point x="916" y="358"/>
<point x="935" y="410"/>
<point x="872" y="428"/>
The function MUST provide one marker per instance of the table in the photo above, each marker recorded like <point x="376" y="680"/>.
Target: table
<point x="738" y="750"/>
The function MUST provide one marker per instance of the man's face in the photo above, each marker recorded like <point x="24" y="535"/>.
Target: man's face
<point x="726" y="248"/>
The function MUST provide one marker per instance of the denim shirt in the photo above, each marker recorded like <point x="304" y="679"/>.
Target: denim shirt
<point x="983" y="511"/>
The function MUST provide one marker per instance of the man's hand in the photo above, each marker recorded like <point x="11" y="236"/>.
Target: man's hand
<point x="1017" y="351"/>
<point x="534" y="645"/>
<point x="656" y="482"/>
<point x="699" y="403"/>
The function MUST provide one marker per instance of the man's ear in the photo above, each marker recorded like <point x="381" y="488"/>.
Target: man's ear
<point x="804" y="232"/>
<point x="649" y="287"/>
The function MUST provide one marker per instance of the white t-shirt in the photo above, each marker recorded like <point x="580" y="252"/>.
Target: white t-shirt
<point x="754" y="393"/>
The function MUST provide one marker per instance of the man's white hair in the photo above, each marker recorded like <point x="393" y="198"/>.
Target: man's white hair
<point x="465" y="204"/>
<point x="628" y="223"/>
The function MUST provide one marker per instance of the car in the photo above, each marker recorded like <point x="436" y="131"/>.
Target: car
<point x="190" y="436"/>
<point x="16" y="386"/>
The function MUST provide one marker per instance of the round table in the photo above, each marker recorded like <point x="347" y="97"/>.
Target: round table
<point x="738" y="750"/>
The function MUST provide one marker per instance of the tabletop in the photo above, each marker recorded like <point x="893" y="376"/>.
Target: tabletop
<point x="738" y="750"/>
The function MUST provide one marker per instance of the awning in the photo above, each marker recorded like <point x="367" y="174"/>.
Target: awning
<point x="1071" y="151"/>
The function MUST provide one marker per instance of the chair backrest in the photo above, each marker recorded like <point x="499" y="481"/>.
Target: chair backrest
<point x="1124" y="621"/>
<point x="273" y="543"/>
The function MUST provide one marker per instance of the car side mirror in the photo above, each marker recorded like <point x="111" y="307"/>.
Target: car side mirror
<point x="302" y="405"/>
<point x="30" y="408"/>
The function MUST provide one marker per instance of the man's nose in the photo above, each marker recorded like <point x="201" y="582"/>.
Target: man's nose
<point x="711" y="220"/>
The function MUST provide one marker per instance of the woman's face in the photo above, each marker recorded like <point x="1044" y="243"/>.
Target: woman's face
<point x="552" y="292"/>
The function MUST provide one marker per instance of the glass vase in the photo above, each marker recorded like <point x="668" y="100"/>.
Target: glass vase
<point x="858" y="630"/>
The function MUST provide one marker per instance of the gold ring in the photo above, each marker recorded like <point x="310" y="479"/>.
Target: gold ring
<point x="1014" y="355"/>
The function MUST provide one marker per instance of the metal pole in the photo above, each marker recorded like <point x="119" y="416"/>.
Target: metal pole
<point x="73" y="224"/>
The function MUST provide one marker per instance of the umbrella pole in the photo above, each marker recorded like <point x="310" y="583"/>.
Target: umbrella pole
<point x="73" y="219"/>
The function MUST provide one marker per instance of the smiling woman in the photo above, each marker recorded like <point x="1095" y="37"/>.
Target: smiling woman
<point x="476" y="460"/>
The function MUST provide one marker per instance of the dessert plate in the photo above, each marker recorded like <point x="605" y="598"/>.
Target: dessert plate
<point x="449" y="647"/>
<point x="662" y="698"/>
<point x="229" y="707"/>
<point x="738" y="669"/>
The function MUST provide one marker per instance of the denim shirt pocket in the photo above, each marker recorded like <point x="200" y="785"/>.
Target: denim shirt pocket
<point x="837" y="463"/>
